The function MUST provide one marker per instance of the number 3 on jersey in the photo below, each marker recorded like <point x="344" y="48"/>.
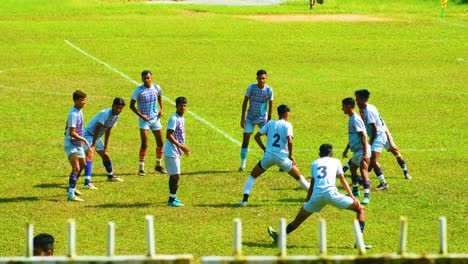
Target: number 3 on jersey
<point x="321" y="172"/>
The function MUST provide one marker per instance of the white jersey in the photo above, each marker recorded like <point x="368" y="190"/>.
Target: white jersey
<point x="147" y="100"/>
<point x="371" y="116"/>
<point x="259" y="97"/>
<point x="277" y="132"/>
<point x="177" y="124"/>
<point x="105" y="118"/>
<point x="324" y="171"/>
<point x="355" y="125"/>
<point x="75" y="119"/>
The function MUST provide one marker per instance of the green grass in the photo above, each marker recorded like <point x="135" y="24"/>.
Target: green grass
<point x="416" y="69"/>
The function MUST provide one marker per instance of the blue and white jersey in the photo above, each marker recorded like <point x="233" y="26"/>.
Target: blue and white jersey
<point x="324" y="171"/>
<point x="105" y="118"/>
<point x="147" y="100"/>
<point x="257" y="112"/>
<point x="371" y="116"/>
<point x="277" y="132"/>
<point x="177" y="124"/>
<point x="355" y="125"/>
<point x="75" y="119"/>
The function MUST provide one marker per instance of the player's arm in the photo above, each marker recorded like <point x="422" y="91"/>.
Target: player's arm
<point x="73" y="134"/>
<point x="290" y="148"/>
<point x="311" y="188"/>
<point x="106" y="139"/>
<point x="270" y="107"/>
<point x="362" y="135"/>
<point x="160" y="103"/>
<point x="136" y="111"/>
<point x="244" y="109"/>
<point x="374" y="133"/>
<point x="258" y="139"/>
<point x="170" y="136"/>
<point x="345" y="185"/>
<point x="96" y="134"/>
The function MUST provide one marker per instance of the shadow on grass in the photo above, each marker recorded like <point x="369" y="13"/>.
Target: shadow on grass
<point x="225" y="205"/>
<point x="196" y="173"/>
<point x="268" y="245"/>
<point x="121" y="205"/>
<point x="18" y="199"/>
<point x="292" y="200"/>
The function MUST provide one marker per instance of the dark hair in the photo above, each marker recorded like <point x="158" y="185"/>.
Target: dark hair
<point x="260" y="72"/>
<point x="282" y="110"/>
<point x="325" y="150"/>
<point x="363" y="93"/>
<point x="78" y="94"/>
<point x="349" y="101"/>
<point x="146" y="72"/>
<point x="180" y="100"/>
<point x="44" y="242"/>
<point x="118" y="101"/>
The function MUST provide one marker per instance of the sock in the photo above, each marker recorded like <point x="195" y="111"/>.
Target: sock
<point x="172" y="198"/>
<point x="290" y="228"/>
<point x="108" y="165"/>
<point x="142" y="166"/>
<point x="142" y="155"/>
<point x="402" y="164"/>
<point x="87" y="180"/>
<point x="89" y="168"/>
<point x="346" y="167"/>
<point x="72" y="184"/>
<point x="361" y="225"/>
<point x="159" y="152"/>
<point x="243" y="156"/>
<point x="380" y="176"/>
<point x="249" y="185"/>
<point x="304" y="183"/>
<point x="366" y="189"/>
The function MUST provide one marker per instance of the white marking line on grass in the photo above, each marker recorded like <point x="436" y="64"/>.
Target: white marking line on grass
<point x="462" y="60"/>
<point x="164" y="97"/>
<point x="455" y="24"/>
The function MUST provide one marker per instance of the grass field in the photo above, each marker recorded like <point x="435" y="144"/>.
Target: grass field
<point x="415" y="66"/>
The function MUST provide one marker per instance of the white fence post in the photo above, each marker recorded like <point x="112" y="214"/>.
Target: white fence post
<point x="322" y="237"/>
<point x="110" y="239"/>
<point x="359" y="238"/>
<point x="29" y="240"/>
<point x="443" y="235"/>
<point x="150" y="236"/>
<point x="282" y="237"/>
<point x="237" y="237"/>
<point x="71" y="238"/>
<point x="403" y="234"/>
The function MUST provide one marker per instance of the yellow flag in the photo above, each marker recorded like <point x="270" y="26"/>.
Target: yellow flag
<point x="444" y="3"/>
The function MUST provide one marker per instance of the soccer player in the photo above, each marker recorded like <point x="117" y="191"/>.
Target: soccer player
<point x="277" y="152"/>
<point x="43" y="245"/>
<point x="357" y="142"/>
<point x="73" y="144"/>
<point x="148" y="96"/>
<point x="100" y="125"/>
<point x="323" y="191"/>
<point x="173" y="149"/>
<point x="380" y="137"/>
<point x="259" y="96"/>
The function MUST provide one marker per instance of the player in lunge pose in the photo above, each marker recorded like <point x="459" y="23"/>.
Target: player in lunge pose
<point x="100" y="125"/>
<point x="148" y="96"/>
<point x="277" y="152"/>
<point x="259" y="96"/>
<point x="323" y="191"/>
<point x="357" y="142"/>
<point x="173" y="149"/>
<point x="73" y="144"/>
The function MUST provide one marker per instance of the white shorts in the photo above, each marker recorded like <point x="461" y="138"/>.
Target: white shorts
<point x="316" y="203"/>
<point x="380" y="142"/>
<point x="172" y="165"/>
<point x="357" y="156"/>
<point x="152" y="124"/>
<point x="99" y="143"/>
<point x="280" y="159"/>
<point x="249" y="126"/>
<point x="72" y="149"/>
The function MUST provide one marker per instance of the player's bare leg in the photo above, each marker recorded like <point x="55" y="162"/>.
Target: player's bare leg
<point x="401" y="162"/>
<point x="256" y="172"/>
<point x="296" y="174"/>
<point x="363" y="167"/>
<point x="159" y="150"/>
<point x="142" y="153"/>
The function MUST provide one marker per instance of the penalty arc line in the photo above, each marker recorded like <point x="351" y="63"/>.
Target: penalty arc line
<point x="107" y="65"/>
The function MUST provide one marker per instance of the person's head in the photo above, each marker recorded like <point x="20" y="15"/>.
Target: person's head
<point x="326" y="150"/>
<point x="43" y="245"/>
<point x="147" y="78"/>
<point x="283" y="111"/>
<point x="117" y="105"/>
<point x="362" y="96"/>
<point x="347" y="105"/>
<point x="181" y="105"/>
<point x="261" y="78"/>
<point x="79" y="98"/>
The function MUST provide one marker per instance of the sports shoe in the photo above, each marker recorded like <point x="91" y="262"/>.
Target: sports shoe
<point x="241" y="204"/>
<point x="408" y="177"/>
<point x="382" y="187"/>
<point x="114" y="178"/>
<point x="160" y="169"/>
<point x="320" y="1"/>
<point x="241" y="169"/>
<point x="366" y="200"/>
<point x="366" y="246"/>
<point x="175" y="203"/>
<point x="77" y="192"/>
<point x="141" y="173"/>
<point x="90" y="186"/>
<point x="273" y="234"/>
<point x="75" y="199"/>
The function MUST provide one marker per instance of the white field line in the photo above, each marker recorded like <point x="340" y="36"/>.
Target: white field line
<point x="226" y="135"/>
<point x="462" y="60"/>
<point x="455" y="24"/>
